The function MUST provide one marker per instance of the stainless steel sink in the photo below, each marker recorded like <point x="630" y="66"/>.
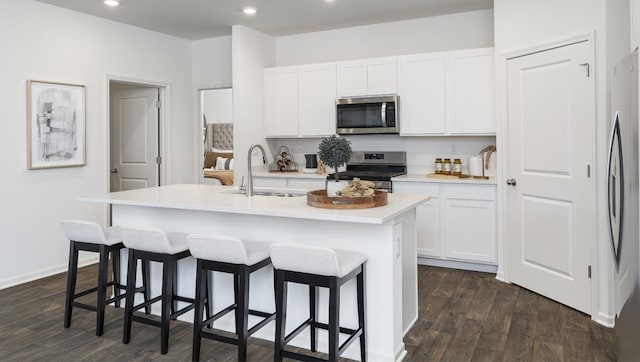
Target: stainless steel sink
<point x="274" y="193"/>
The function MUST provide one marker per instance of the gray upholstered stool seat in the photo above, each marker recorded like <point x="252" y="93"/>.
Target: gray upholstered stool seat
<point x="90" y="236"/>
<point x="232" y="255"/>
<point x="167" y="248"/>
<point x="318" y="267"/>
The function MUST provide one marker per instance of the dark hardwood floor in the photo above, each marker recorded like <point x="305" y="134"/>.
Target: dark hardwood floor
<point x="464" y="316"/>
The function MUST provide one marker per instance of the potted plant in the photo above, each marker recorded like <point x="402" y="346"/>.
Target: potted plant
<point x="334" y="151"/>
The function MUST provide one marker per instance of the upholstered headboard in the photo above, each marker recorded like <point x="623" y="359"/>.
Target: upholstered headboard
<point x="220" y="136"/>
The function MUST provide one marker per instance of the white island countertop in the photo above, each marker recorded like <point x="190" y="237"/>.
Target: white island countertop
<point x="222" y="199"/>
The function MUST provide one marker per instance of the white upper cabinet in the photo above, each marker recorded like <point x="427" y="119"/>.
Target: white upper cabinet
<point x="317" y="100"/>
<point x="367" y="77"/>
<point x="449" y="93"/>
<point x="421" y="86"/>
<point x="281" y="101"/>
<point x="352" y="79"/>
<point x="382" y="76"/>
<point x="471" y="92"/>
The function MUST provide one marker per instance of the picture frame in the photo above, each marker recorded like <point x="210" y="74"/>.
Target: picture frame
<point x="56" y="123"/>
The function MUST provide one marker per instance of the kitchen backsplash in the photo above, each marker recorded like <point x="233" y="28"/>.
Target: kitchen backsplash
<point x="421" y="151"/>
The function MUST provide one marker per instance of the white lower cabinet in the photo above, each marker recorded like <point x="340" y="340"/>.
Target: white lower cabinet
<point x="458" y="223"/>
<point x="470" y="227"/>
<point x="300" y="183"/>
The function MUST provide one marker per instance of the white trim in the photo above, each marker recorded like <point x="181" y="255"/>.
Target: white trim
<point x="43" y="273"/>
<point x="456" y="264"/>
<point x="164" y="89"/>
<point x="503" y="142"/>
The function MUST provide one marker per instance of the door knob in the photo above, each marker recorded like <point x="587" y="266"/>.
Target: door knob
<point x="511" y="182"/>
<point x="115" y="170"/>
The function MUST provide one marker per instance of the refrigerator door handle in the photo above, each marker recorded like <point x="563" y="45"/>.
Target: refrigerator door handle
<point x="615" y="189"/>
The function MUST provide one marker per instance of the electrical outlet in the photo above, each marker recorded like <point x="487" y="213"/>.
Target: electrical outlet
<point x="452" y="148"/>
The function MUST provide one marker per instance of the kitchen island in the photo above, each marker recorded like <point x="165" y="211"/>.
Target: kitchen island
<point x="386" y="234"/>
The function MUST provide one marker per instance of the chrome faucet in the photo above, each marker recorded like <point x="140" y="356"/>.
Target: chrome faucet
<point x="249" y="191"/>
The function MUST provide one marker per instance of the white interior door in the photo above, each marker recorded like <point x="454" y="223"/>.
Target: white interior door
<point x="134" y="137"/>
<point x="551" y="198"/>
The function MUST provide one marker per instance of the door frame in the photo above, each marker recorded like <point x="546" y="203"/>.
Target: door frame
<point x="602" y="278"/>
<point x="164" y="138"/>
<point x="199" y="146"/>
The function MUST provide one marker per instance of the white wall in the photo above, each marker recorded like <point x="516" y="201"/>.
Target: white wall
<point x="439" y="33"/>
<point x="44" y="42"/>
<point x="211" y="62"/>
<point x="518" y="26"/>
<point x="252" y="51"/>
<point x="217" y="105"/>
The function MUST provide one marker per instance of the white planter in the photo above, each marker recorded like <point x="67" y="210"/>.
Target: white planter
<point x="333" y="186"/>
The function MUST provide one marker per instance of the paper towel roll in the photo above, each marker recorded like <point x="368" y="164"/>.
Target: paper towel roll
<point x="475" y="165"/>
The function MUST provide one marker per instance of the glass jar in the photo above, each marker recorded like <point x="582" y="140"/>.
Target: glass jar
<point x="438" y="166"/>
<point x="457" y="167"/>
<point x="446" y="166"/>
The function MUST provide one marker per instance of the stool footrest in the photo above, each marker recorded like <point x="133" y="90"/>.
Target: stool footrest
<point x="219" y="315"/>
<point x="213" y="333"/>
<point x="146" y="320"/>
<point x="268" y="317"/>
<point x="85" y="306"/>
<point x="182" y="311"/>
<point x="85" y="292"/>
<point x="147" y="303"/>
<point x="297" y="331"/>
<point x="353" y="333"/>
<point x="301" y="357"/>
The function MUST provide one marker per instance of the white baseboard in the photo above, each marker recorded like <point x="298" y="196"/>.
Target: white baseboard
<point x="604" y="320"/>
<point x="486" y="268"/>
<point x="29" y="277"/>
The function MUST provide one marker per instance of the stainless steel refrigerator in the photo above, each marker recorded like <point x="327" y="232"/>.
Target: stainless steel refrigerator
<point x="623" y="201"/>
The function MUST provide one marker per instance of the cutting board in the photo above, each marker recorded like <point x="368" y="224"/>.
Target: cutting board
<point x="455" y="177"/>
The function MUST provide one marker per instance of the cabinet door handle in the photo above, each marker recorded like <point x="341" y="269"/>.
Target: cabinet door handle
<point x="511" y="182"/>
<point x="115" y="170"/>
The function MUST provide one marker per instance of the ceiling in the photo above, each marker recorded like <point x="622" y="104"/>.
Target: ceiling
<point x="201" y="19"/>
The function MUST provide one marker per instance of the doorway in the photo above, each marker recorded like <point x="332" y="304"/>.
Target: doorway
<point x="550" y="212"/>
<point x="215" y="120"/>
<point x="134" y="136"/>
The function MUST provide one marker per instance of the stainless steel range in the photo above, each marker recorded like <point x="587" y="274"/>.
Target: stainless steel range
<point x="378" y="167"/>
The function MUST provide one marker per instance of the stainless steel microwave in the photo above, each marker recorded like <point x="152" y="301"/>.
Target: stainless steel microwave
<point x="367" y="115"/>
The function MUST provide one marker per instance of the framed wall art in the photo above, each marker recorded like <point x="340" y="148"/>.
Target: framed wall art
<point x="55" y="125"/>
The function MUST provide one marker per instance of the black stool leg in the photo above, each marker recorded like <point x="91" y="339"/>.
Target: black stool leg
<point x="146" y="284"/>
<point x="132" y="267"/>
<point x="313" y="315"/>
<point x="103" y="271"/>
<point x="115" y="264"/>
<point x="174" y="286"/>
<point x="362" y="306"/>
<point x="72" y="273"/>
<point x="209" y="294"/>
<point x="201" y="283"/>
<point x="242" y="311"/>
<point x="281" y="314"/>
<point x="334" y="319"/>
<point x="167" y="301"/>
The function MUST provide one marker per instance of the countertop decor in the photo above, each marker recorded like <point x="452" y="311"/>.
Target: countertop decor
<point x="319" y="198"/>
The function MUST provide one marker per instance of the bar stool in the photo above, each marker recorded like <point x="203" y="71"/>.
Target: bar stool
<point x="318" y="267"/>
<point x="228" y="255"/>
<point x="89" y="236"/>
<point x="166" y="248"/>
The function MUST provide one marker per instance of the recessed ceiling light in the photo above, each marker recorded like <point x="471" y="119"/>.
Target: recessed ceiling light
<point x="111" y="2"/>
<point x="329" y="1"/>
<point x="249" y="10"/>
